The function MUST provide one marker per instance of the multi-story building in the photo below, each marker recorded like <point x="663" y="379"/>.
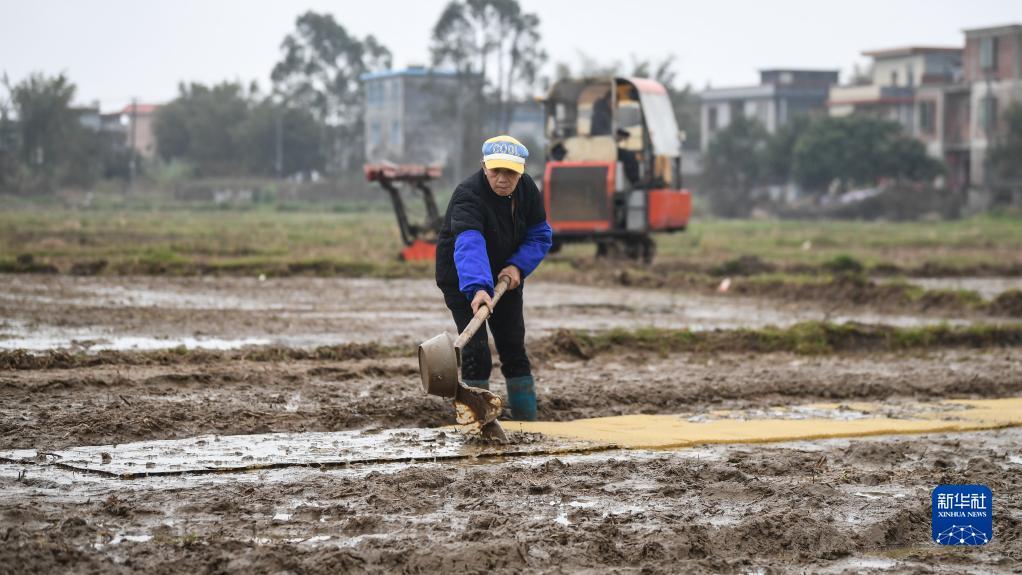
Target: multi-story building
<point x="139" y="121"/>
<point x="953" y="100"/>
<point x="434" y="117"/>
<point x="897" y="75"/>
<point x="421" y="116"/>
<point x="132" y="127"/>
<point x="781" y="95"/>
<point x="993" y="81"/>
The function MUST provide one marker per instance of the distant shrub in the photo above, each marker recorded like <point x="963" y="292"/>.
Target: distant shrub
<point x="844" y="264"/>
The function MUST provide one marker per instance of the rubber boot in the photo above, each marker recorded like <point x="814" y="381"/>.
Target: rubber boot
<point x="480" y="383"/>
<point x="521" y="397"/>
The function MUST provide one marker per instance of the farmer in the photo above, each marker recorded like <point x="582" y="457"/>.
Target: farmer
<point x="495" y="227"/>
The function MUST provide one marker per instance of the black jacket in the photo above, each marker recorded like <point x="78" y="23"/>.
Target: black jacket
<point x="521" y="238"/>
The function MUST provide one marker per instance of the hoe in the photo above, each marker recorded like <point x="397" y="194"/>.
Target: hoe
<point x="439" y="360"/>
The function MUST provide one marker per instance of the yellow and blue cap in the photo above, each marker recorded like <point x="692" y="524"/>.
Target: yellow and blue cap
<point x="505" y="152"/>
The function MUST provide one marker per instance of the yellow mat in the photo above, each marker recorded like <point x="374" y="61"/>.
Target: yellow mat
<point x="670" y="431"/>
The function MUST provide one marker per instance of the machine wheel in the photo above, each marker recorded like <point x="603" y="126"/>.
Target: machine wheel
<point x="634" y="249"/>
<point x="609" y="248"/>
<point x="648" y="250"/>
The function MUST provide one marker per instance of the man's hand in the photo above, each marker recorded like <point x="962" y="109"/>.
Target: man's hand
<point x="482" y="298"/>
<point x="513" y="274"/>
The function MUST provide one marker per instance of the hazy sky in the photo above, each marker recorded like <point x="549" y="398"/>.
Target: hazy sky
<point x="118" y="49"/>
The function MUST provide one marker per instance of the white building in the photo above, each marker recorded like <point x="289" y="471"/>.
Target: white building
<point x="781" y="95"/>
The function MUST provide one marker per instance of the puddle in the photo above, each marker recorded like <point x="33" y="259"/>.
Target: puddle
<point x="322" y="450"/>
<point x="139" y="313"/>
<point x="877" y="495"/>
<point x="121" y="538"/>
<point x="20" y="335"/>
<point x="215" y="454"/>
<point x="858" y="565"/>
<point x="987" y="288"/>
<point x="129" y="343"/>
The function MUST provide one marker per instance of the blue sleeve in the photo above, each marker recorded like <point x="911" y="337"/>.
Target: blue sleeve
<point x="472" y="263"/>
<point x="533" y="249"/>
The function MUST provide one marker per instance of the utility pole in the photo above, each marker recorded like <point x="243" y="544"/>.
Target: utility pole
<point x="131" y="147"/>
<point x="278" y="164"/>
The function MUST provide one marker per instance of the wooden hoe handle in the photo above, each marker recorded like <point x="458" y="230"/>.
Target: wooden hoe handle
<point x="482" y="314"/>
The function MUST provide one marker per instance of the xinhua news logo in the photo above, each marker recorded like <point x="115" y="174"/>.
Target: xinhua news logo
<point x="962" y="515"/>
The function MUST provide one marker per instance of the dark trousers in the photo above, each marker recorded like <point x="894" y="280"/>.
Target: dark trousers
<point x="508" y="326"/>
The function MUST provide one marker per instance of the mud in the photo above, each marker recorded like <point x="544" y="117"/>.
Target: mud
<point x="55" y="408"/>
<point x="94" y="314"/>
<point x="829" y="506"/>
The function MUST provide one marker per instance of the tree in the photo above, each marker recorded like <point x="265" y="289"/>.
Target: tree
<point x="322" y="66"/>
<point x="9" y="145"/>
<point x="201" y="127"/>
<point x="858" y="150"/>
<point x="53" y="147"/>
<point x="301" y="146"/>
<point x="734" y="165"/>
<point x="780" y="150"/>
<point x="47" y="122"/>
<point x="225" y="130"/>
<point x="494" y="39"/>
<point x="321" y="72"/>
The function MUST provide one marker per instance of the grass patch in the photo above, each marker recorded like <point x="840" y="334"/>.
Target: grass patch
<point x="57" y="359"/>
<point x="269" y="238"/>
<point x="808" y="338"/>
<point x="844" y="264"/>
<point x="985" y="239"/>
<point x="1008" y="304"/>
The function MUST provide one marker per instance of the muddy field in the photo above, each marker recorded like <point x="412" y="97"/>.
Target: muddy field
<point x="41" y="312"/>
<point x="830" y="506"/>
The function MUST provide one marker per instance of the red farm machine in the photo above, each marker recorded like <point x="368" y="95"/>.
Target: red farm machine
<point x="613" y="170"/>
<point x="612" y="175"/>
<point x="419" y="237"/>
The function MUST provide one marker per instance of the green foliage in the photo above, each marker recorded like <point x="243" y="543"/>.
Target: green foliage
<point x="301" y="140"/>
<point x="734" y="165"/>
<point x="225" y="131"/>
<point x="201" y="127"/>
<point x="858" y="150"/>
<point x="806" y="338"/>
<point x="781" y="148"/>
<point x="47" y="123"/>
<point x="48" y="145"/>
<point x="9" y="160"/>
<point x="171" y="173"/>
<point x="746" y="265"/>
<point x="844" y="264"/>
